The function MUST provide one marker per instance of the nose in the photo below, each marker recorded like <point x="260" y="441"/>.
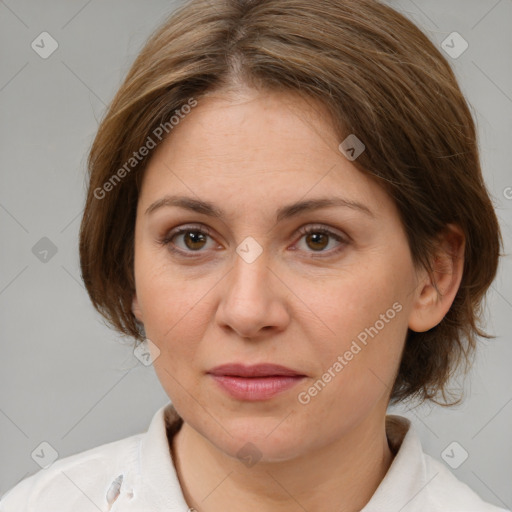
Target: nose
<point x="253" y="299"/>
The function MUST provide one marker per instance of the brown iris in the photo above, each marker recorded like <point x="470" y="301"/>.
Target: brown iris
<point x="318" y="239"/>
<point x="194" y="237"/>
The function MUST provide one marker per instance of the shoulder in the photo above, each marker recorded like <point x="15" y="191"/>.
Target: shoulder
<point x="449" y="493"/>
<point x="418" y="482"/>
<point x="76" y="482"/>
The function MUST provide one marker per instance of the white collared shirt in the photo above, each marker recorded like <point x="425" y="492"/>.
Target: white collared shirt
<point x="137" y="474"/>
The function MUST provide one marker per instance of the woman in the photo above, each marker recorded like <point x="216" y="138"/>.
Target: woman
<point x="286" y="210"/>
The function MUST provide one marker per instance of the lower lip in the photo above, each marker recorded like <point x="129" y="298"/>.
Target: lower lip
<point x="255" y="388"/>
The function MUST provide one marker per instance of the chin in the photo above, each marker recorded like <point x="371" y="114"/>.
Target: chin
<point x="262" y="449"/>
<point x="267" y="439"/>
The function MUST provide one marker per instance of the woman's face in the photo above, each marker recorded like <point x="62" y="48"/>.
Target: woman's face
<point x="249" y="286"/>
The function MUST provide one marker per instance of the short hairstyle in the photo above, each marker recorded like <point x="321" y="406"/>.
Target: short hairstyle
<point x="380" y="77"/>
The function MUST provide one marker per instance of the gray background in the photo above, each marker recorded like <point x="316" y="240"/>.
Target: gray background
<point x="67" y="379"/>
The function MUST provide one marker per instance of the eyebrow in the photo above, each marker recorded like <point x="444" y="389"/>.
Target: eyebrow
<point x="286" y="212"/>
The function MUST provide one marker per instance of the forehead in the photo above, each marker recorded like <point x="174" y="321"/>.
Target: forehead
<point x="255" y="146"/>
<point x="255" y="126"/>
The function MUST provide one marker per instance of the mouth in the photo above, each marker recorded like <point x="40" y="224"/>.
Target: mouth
<point x="255" y="383"/>
<point x="258" y="370"/>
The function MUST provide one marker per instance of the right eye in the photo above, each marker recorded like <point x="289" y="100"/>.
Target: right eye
<point x="193" y="240"/>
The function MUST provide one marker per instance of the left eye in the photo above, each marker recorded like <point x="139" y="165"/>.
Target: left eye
<point x="318" y="238"/>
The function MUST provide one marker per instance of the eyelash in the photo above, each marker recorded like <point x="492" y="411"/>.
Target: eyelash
<point x="304" y="231"/>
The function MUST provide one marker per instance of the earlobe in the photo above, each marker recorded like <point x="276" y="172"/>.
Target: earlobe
<point x="435" y="293"/>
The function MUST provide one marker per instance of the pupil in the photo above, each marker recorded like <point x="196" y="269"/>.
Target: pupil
<point x="315" y="238"/>
<point x="194" y="237"/>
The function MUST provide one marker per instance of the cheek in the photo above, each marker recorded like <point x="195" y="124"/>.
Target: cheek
<point x="175" y="320"/>
<point x="349" y="303"/>
<point x="167" y="297"/>
<point x="363" y="322"/>
<point x="177" y="313"/>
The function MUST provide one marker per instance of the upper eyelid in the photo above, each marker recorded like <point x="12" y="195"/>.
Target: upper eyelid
<point x="209" y="231"/>
<point x="321" y="227"/>
<point x="302" y="230"/>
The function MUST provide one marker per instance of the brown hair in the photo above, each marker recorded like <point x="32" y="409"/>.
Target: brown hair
<point x="380" y="77"/>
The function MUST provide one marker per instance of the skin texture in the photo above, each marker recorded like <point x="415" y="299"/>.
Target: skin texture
<point x="300" y="304"/>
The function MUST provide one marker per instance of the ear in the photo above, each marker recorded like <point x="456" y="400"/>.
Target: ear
<point x="435" y="294"/>
<point x="136" y="309"/>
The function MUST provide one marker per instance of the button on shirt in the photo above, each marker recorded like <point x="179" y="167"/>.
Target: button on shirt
<point x="138" y="474"/>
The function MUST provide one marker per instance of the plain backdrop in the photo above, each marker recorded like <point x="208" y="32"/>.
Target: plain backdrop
<point x="68" y="380"/>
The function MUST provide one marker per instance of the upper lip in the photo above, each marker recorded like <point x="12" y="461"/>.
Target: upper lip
<point x="257" y="370"/>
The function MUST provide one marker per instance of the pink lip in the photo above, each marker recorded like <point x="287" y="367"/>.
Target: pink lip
<point x="257" y="370"/>
<point x="258" y="382"/>
<point x="255" y="388"/>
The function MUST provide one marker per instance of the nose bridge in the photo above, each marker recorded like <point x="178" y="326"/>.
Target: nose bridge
<point x="250" y="275"/>
<point x="250" y="299"/>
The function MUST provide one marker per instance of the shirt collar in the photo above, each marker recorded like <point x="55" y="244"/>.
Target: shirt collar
<point x="406" y="479"/>
<point x="400" y="489"/>
<point x="159" y="485"/>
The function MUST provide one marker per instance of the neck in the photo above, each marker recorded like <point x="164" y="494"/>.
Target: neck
<point x="340" y="476"/>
